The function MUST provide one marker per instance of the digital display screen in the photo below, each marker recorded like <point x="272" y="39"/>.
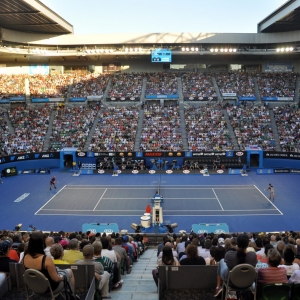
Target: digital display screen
<point x="12" y="171"/>
<point x="161" y="55"/>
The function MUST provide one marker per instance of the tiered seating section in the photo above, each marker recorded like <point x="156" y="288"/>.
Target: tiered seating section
<point x="126" y="86"/>
<point x="288" y="126"/>
<point x="161" y="129"/>
<point x="116" y="130"/>
<point x="89" y="85"/>
<point x="197" y="87"/>
<point x="30" y="125"/>
<point x="71" y="127"/>
<point x="49" y="86"/>
<point x="277" y="84"/>
<point x="252" y="126"/>
<point x="12" y="85"/>
<point x="235" y="82"/>
<point x="162" y="84"/>
<point x="206" y="129"/>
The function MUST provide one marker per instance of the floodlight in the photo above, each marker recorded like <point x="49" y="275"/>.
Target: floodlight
<point x="216" y="50"/>
<point x="126" y="49"/>
<point x="282" y="49"/>
<point x="278" y="50"/>
<point x="221" y="49"/>
<point x="187" y="49"/>
<point x="234" y="49"/>
<point x="230" y="50"/>
<point x="182" y="49"/>
<point x="291" y="48"/>
<point x="211" y="50"/>
<point x="225" y="50"/>
<point x="196" y="49"/>
<point x="192" y="49"/>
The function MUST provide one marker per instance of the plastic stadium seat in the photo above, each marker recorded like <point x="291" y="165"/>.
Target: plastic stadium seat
<point x="295" y="292"/>
<point x="275" y="291"/>
<point x="241" y="279"/>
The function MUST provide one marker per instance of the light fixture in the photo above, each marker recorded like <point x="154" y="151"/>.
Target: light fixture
<point x="216" y="50"/>
<point x="187" y="49"/>
<point x="196" y="49"/>
<point x="211" y="50"/>
<point x="182" y="49"/>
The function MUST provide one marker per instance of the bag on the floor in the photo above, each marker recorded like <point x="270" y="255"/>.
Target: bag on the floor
<point x="68" y="291"/>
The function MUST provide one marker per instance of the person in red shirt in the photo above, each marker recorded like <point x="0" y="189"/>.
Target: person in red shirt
<point x="12" y="254"/>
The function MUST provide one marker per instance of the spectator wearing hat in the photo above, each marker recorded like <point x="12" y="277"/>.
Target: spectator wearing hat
<point x="64" y="243"/>
<point x="4" y="259"/>
<point x="57" y="252"/>
<point x="73" y="254"/>
<point x="49" y="241"/>
<point x="100" y="274"/>
<point x="221" y="242"/>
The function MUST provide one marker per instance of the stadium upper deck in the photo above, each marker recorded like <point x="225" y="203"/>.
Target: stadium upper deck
<point x="31" y="33"/>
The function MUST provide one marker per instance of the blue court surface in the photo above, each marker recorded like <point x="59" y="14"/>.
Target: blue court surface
<point x="240" y="202"/>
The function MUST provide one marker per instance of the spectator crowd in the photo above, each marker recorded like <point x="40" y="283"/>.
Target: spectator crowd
<point x="206" y="129"/>
<point x="161" y="129"/>
<point x="116" y="129"/>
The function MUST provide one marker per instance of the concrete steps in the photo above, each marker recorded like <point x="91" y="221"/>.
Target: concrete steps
<point x="275" y="131"/>
<point x="49" y="132"/>
<point x="139" y="284"/>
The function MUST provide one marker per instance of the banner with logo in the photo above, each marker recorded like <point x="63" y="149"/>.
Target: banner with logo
<point x="269" y="98"/>
<point x="83" y="99"/>
<point x="229" y="94"/>
<point x="216" y="153"/>
<point x="4" y="101"/>
<point x="196" y="98"/>
<point x="247" y="98"/>
<point x="119" y="99"/>
<point x="210" y="228"/>
<point x="94" y="98"/>
<point x="40" y="100"/>
<point x="29" y="156"/>
<point x="56" y="99"/>
<point x="17" y="99"/>
<point x="175" y="96"/>
<point x="264" y="171"/>
<point x="108" y="228"/>
<point x="281" y="155"/>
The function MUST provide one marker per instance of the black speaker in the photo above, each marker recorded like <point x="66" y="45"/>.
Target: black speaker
<point x="166" y="66"/>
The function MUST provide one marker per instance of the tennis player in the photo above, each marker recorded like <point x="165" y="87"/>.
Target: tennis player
<point x="272" y="192"/>
<point x="52" y="182"/>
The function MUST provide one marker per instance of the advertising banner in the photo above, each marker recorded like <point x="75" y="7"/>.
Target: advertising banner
<point x="108" y="228"/>
<point x="77" y="99"/>
<point x="40" y="100"/>
<point x="56" y="99"/>
<point x="281" y="155"/>
<point x="29" y="156"/>
<point x="21" y="99"/>
<point x="162" y="96"/>
<point x="247" y="98"/>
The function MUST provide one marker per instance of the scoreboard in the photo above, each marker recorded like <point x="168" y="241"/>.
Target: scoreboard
<point x="161" y="56"/>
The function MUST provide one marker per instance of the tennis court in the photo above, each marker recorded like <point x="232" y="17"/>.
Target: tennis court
<point x="106" y="200"/>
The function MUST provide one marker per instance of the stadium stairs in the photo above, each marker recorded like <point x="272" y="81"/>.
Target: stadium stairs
<point x="183" y="127"/>
<point x="8" y="122"/>
<point x="91" y="133"/>
<point x="274" y="130"/>
<point x="69" y="92"/>
<point x="106" y="92"/>
<point x="230" y="131"/>
<point x="139" y="284"/>
<point x="49" y="132"/>
<point x="27" y="91"/>
<point x="257" y="94"/>
<point x="180" y="94"/>
<point x="296" y="96"/>
<point x="139" y="130"/>
<point x="220" y="98"/>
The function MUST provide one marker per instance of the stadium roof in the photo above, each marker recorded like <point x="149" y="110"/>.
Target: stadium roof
<point x="32" y="16"/>
<point x="285" y="18"/>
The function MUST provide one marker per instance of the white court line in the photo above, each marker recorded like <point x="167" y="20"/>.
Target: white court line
<point x="236" y="215"/>
<point x="50" y="200"/>
<point x="268" y="199"/>
<point x="100" y="199"/>
<point x="218" y="199"/>
<point x="182" y="198"/>
<point x="69" y="210"/>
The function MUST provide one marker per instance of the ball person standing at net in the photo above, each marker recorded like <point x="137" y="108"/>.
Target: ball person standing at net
<point x="52" y="182"/>
<point x="272" y="192"/>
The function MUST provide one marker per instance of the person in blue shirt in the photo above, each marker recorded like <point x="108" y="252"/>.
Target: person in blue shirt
<point x="115" y="172"/>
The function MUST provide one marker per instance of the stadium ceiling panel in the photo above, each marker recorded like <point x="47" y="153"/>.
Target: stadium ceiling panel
<point x="285" y="18"/>
<point x="31" y="16"/>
